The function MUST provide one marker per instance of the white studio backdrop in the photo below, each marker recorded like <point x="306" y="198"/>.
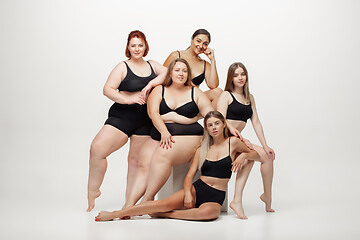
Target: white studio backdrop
<point x="302" y="59"/>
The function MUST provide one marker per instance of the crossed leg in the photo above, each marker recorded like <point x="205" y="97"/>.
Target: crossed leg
<point x="162" y="208"/>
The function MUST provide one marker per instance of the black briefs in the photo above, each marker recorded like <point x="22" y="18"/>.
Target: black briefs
<point x="206" y="193"/>
<point x="130" y="119"/>
<point x="177" y="129"/>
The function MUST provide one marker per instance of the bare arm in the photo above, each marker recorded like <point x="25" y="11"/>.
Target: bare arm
<point x="211" y="75"/>
<point x="160" y="71"/>
<point x="202" y="101"/>
<point x="246" y="154"/>
<point x="222" y="106"/>
<point x="188" y="200"/>
<point x="113" y="82"/>
<point x="174" y="117"/>
<point x="153" y="111"/>
<point x="170" y="58"/>
<point x="259" y="129"/>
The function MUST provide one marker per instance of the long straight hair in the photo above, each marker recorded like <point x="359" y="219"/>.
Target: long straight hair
<point x="229" y="86"/>
<point x="207" y="140"/>
<point x="168" y="81"/>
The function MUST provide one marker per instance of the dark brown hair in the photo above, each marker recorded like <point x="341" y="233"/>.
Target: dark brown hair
<point x="201" y="31"/>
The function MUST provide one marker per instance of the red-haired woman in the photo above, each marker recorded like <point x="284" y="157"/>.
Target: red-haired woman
<point x="127" y="85"/>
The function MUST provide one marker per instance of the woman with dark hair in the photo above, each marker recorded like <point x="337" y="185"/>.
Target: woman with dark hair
<point x="202" y="199"/>
<point x="127" y="85"/>
<point x="238" y="105"/>
<point x="201" y="69"/>
<point x="173" y="109"/>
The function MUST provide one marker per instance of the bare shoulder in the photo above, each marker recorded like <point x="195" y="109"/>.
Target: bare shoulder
<point x="225" y="97"/>
<point x="199" y="92"/>
<point x="252" y="99"/>
<point x="225" y="94"/>
<point x="157" y="89"/>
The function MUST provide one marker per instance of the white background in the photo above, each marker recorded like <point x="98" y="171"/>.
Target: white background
<point x="302" y="58"/>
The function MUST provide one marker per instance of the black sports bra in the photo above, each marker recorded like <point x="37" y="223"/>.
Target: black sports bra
<point x="238" y="111"/>
<point x="219" y="169"/>
<point x="188" y="110"/>
<point x="133" y="82"/>
<point x="200" y="78"/>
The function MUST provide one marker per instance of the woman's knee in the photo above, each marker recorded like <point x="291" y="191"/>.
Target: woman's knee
<point x="217" y="91"/>
<point x="209" y="213"/>
<point x="97" y="149"/>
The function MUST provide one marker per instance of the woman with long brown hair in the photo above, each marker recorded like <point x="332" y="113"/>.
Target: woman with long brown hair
<point x="238" y="105"/>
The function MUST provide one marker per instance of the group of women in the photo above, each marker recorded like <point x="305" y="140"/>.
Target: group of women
<point x="158" y="108"/>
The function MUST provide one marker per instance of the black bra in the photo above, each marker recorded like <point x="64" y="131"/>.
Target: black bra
<point x="200" y="78"/>
<point x="188" y="110"/>
<point x="219" y="169"/>
<point x="238" y="111"/>
<point x="133" y="82"/>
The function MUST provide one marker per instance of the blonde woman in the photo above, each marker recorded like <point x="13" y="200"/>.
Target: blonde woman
<point x="238" y="105"/>
<point x="202" y="199"/>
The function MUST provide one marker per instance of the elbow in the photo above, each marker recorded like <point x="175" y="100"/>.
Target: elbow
<point x="105" y="92"/>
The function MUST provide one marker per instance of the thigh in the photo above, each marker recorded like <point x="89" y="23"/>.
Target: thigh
<point x="147" y="150"/>
<point x="263" y="156"/>
<point x="181" y="151"/>
<point x="136" y="144"/>
<point x="210" y="208"/>
<point x="108" y="140"/>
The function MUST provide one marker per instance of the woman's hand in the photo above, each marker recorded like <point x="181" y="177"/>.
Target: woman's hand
<point x="166" y="140"/>
<point x="145" y="91"/>
<point x="188" y="201"/>
<point x="247" y="143"/>
<point x="137" y="98"/>
<point x="239" y="163"/>
<point x="270" y="152"/>
<point x="210" y="54"/>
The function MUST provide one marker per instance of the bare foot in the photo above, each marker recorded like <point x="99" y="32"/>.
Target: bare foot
<point x="91" y="199"/>
<point x="104" y="216"/>
<point x="267" y="202"/>
<point x="238" y="209"/>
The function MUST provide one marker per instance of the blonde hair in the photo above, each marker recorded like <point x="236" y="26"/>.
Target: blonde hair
<point x="168" y="81"/>
<point x="207" y="140"/>
<point x="229" y="86"/>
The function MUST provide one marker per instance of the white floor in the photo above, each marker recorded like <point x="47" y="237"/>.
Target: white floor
<point x="306" y="207"/>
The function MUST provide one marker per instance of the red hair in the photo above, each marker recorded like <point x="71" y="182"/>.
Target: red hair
<point x="136" y="34"/>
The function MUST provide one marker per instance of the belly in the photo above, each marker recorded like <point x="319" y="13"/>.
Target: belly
<point x="239" y="125"/>
<point x="218" y="183"/>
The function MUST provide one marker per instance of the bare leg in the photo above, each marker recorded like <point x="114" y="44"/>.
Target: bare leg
<point x="163" y="159"/>
<point x="136" y="144"/>
<point x="108" y="140"/>
<point x="241" y="178"/>
<point x="175" y="201"/>
<point x="267" y="170"/>
<point x="213" y="95"/>
<point x="141" y="179"/>
<point x="207" y="211"/>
